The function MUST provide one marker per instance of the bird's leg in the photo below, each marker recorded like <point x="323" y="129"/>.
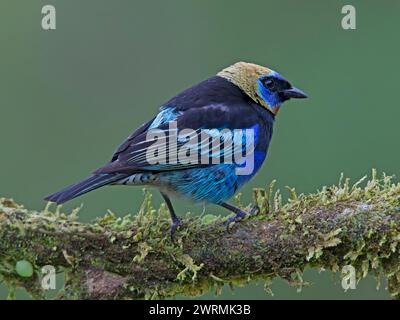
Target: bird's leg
<point x="176" y="222"/>
<point x="239" y="212"/>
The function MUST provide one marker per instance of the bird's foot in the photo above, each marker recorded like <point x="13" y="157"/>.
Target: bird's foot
<point x="174" y="225"/>
<point x="254" y="209"/>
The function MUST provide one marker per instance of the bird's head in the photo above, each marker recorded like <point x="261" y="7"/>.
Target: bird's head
<point x="265" y="86"/>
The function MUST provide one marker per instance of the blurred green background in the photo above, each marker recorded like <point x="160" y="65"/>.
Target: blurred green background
<point x="68" y="97"/>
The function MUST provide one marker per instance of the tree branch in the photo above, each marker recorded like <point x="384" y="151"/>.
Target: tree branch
<point x="133" y="257"/>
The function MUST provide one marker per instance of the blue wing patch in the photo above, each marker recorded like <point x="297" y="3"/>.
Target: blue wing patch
<point x="165" y="115"/>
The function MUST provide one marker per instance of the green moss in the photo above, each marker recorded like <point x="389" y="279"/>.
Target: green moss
<point x="363" y="209"/>
<point x="208" y="219"/>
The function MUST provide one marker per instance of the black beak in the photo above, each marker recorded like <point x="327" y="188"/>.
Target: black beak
<point x="294" y="93"/>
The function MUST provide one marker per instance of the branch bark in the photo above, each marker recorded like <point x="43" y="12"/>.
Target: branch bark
<point x="133" y="257"/>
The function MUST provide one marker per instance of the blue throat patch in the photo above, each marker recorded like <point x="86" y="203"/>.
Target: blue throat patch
<point x="270" y="98"/>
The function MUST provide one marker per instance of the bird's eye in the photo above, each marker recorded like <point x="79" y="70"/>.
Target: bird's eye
<point x="269" y="83"/>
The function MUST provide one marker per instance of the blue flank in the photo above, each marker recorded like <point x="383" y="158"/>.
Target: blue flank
<point x="213" y="184"/>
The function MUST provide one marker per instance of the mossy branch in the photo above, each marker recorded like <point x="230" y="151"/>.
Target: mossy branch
<point x="133" y="257"/>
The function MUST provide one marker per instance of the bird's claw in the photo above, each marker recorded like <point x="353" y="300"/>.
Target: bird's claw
<point x="174" y="225"/>
<point x="254" y="209"/>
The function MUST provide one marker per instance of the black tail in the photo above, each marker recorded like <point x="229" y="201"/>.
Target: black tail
<point x="80" y="188"/>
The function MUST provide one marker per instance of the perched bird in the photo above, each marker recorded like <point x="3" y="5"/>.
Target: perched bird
<point x="241" y="96"/>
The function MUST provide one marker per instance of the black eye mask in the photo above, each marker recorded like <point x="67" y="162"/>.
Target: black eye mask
<point x="275" y="85"/>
